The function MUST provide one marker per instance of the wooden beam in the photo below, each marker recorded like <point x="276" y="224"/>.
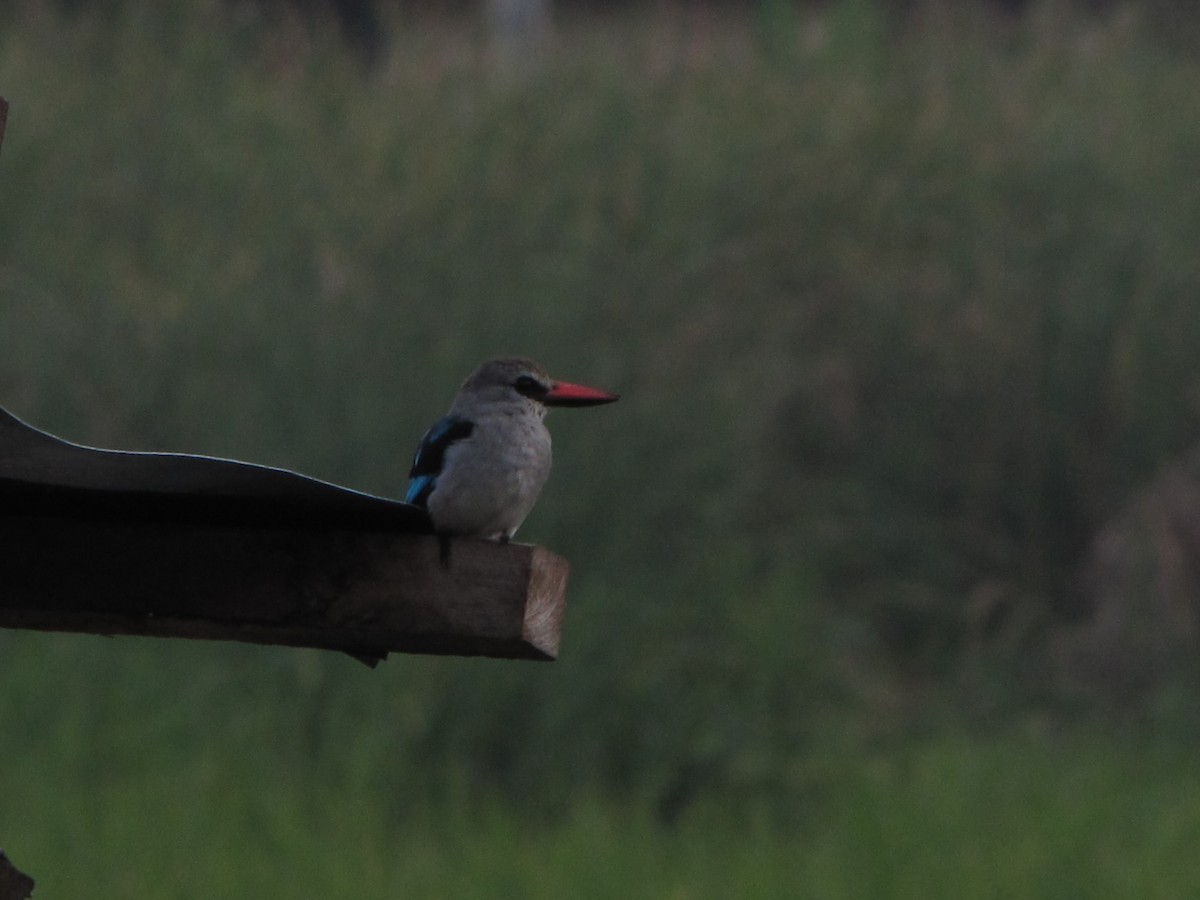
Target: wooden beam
<point x="14" y="884"/>
<point x="365" y="593"/>
<point x="107" y="542"/>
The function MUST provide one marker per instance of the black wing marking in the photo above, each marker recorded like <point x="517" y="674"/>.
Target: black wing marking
<point x="431" y="455"/>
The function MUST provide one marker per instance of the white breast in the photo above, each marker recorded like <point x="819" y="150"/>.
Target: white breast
<point x="491" y="480"/>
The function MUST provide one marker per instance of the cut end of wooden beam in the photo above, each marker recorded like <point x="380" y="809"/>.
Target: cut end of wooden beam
<point x="544" y="605"/>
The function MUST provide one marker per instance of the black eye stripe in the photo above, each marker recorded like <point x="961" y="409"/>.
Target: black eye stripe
<point x="529" y="386"/>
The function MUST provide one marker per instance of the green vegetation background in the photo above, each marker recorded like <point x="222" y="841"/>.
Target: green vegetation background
<point x="901" y="313"/>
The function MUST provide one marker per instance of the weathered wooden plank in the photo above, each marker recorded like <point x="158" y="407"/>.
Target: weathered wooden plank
<point x="366" y="593"/>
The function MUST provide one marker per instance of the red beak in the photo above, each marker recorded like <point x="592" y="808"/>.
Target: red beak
<point x="566" y="394"/>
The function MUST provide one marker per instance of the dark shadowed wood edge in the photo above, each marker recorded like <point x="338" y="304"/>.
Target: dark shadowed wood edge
<point x="14" y="884"/>
<point x="169" y="545"/>
<point x="45" y="474"/>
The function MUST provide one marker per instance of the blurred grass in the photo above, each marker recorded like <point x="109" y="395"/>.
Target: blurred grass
<point x="899" y="317"/>
<point x="1027" y="814"/>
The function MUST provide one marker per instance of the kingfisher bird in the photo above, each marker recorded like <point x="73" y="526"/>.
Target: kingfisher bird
<point x="479" y="469"/>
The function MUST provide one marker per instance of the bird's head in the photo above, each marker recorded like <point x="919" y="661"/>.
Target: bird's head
<point x="513" y="379"/>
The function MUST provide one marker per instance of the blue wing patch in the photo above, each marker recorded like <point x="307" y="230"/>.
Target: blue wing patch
<point x="431" y="455"/>
<point x="419" y="490"/>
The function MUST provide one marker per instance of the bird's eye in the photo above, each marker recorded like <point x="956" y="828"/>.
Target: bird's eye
<point x="529" y="386"/>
